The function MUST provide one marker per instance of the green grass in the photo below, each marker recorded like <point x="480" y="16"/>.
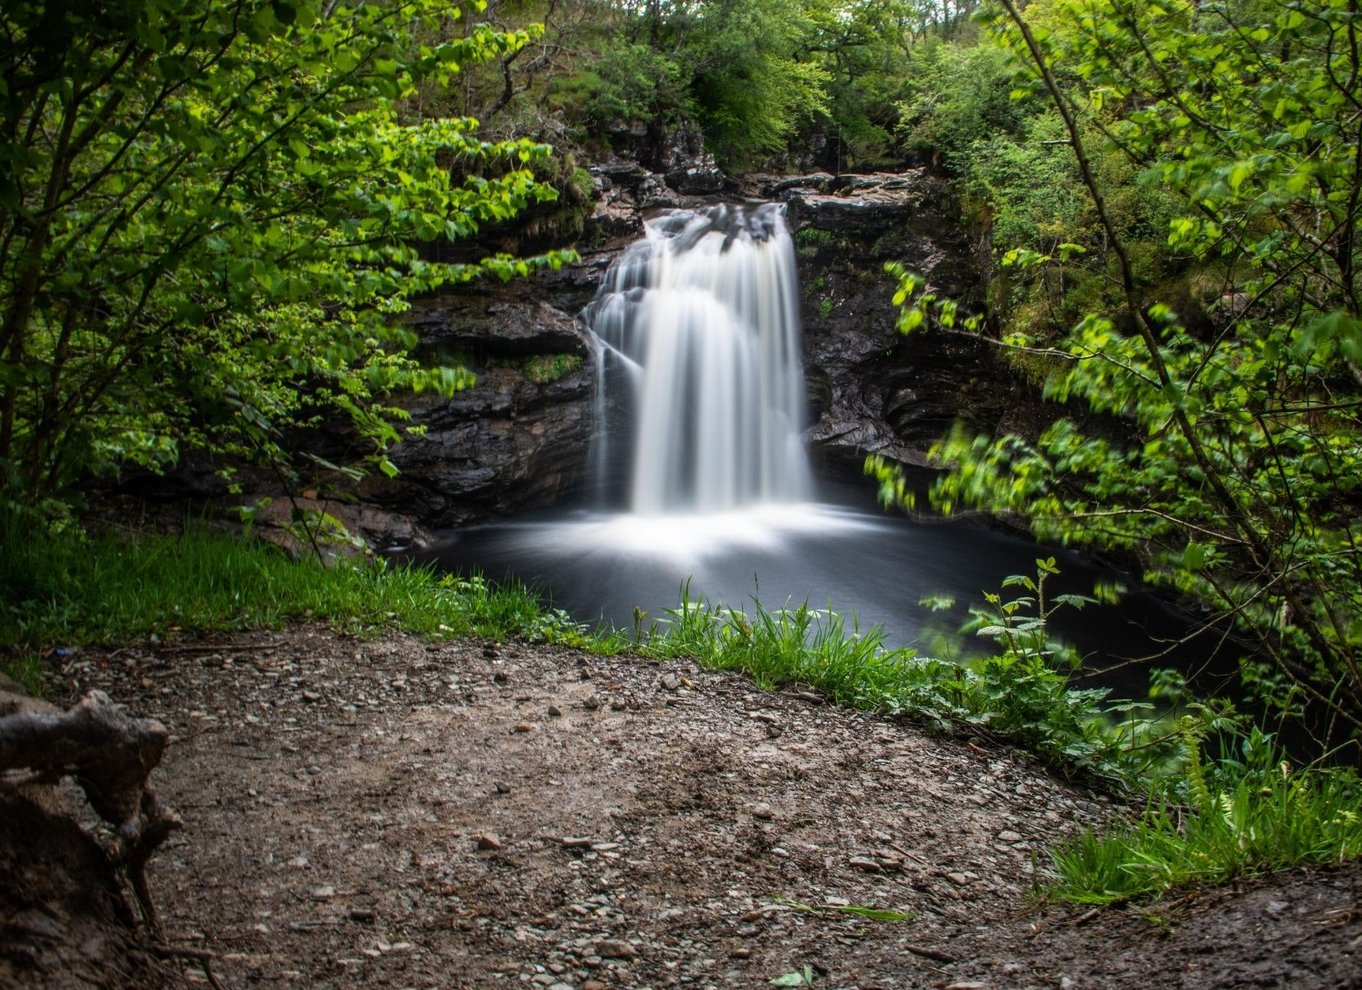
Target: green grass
<point x="67" y="589"/>
<point x="1262" y="822"/>
<point x="1018" y="696"/>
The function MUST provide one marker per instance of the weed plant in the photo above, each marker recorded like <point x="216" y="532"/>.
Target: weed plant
<point x="1251" y="821"/>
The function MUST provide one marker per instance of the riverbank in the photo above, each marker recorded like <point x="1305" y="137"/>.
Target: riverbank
<point x="395" y="812"/>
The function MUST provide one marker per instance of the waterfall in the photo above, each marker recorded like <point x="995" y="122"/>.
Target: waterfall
<point x="697" y="331"/>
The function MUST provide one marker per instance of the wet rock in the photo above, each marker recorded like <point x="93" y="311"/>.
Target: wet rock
<point x="867" y="206"/>
<point x="608" y="948"/>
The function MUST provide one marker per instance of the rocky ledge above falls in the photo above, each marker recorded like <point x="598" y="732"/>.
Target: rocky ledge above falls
<point x="872" y="388"/>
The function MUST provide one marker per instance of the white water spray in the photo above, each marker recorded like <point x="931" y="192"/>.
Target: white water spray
<point x="698" y="324"/>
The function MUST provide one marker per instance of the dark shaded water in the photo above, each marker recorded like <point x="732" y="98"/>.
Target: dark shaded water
<point x="841" y="551"/>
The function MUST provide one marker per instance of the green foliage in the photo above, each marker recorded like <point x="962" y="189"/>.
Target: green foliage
<point x="209" y="216"/>
<point x="740" y="69"/>
<point x="635" y="81"/>
<point x="62" y="588"/>
<point x="1214" y="435"/>
<point x="958" y="101"/>
<point x="752" y="86"/>
<point x="543" y="369"/>
<point x="1253" y="820"/>
<point x="1020" y="691"/>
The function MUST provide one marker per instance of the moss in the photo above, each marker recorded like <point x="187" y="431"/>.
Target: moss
<point x="542" y="369"/>
<point x="811" y="241"/>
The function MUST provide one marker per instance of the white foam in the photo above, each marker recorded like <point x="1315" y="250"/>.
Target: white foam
<point x="686" y="540"/>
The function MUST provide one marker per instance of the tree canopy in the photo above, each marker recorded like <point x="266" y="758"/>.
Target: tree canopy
<point x="1208" y="340"/>
<point x="210" y="215"/>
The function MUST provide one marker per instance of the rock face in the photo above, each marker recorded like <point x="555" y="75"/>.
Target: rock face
<point x="871" y="388"/>
<point x="521" y="436"/>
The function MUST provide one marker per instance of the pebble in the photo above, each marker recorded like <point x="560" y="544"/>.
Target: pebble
<point x="591" y="703"/>
<point x="612" y="948"/>
<point x="1007" y="835"/>
<point x="555" y="711"/>
<point x="488" y="842"/>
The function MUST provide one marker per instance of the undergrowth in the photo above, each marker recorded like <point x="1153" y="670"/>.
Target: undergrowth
<point x="1203" y="822"/>
<point x="67" y="588"/>
<point x="1022" y="693"/>
<point x="1239" y="821"/>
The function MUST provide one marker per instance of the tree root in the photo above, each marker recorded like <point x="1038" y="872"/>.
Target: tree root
<point x="110" y="755"/>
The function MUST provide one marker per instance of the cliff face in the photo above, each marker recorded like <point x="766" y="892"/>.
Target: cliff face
<point x="873" y="389"/>
<point x="520" y="438"/>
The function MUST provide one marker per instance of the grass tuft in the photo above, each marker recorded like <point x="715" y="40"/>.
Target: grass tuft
<point x="1264" y="821"/>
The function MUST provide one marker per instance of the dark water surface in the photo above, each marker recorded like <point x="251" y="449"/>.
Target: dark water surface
<point x="841" y="551"/>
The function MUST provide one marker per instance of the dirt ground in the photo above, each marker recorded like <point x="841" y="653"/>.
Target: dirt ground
<point x="399" y="814"/>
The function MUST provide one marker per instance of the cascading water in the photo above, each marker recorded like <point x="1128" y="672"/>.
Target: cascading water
<point x="700" y="406"/>
<point x="698" y="330"/>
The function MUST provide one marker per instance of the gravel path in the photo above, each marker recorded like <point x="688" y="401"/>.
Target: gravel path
<point x="396" y="813"/>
